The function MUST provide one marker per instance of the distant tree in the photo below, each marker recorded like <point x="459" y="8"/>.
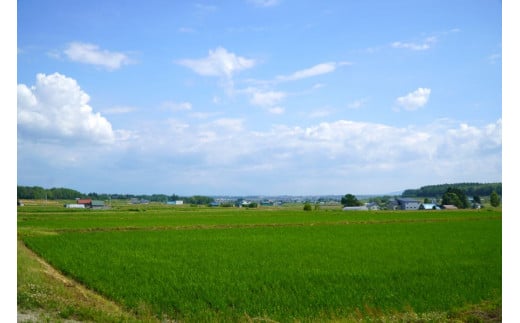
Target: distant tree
<point x="451" y="199"/>
<point x="427" y="200"/>
<point x="253" y="205"/>
<point x="350" y="200"/>
<point x="455" y="196"/>
<point x="199" y="200"/>
<point x="476" y="199"/>
<point x="307" y="206"/>
<point x="494" y="199"/>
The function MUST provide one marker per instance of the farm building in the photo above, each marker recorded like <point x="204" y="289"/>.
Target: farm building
<point x="429" y="206"/>
<point x="179" y="202"/>
<point x="407" y="204"/>
<point x="87" y="203"/>
<point x="355" y="208"/>
<point x="95" y="204"/>
<point x="84" y="202"/>
<point x="75" y="206"/>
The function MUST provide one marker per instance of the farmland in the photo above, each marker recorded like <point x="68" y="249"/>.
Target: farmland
<point x="277" y="264"/>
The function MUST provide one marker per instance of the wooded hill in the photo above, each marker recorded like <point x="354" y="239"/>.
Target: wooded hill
<point x="470" y="189"/>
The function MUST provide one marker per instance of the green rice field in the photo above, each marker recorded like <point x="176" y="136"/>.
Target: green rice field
<point x="279" y="264"/>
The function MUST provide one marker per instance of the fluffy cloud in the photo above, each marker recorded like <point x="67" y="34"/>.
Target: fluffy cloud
<point x="341" y="142"/>
<point x="56" y="108"/>
<point x="219" y="62"/>
<point x="414" y="100"/>
<point x="92" y="54"/>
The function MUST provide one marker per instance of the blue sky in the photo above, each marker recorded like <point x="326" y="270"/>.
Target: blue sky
<point x="258" y="96"/>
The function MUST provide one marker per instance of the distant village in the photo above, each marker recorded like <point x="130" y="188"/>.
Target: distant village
<point x="397" y="203"/>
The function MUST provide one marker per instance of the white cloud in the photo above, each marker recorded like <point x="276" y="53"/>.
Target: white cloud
<point x="92" y="54"/>
<point x="267" y="98"/>
<point x="329" y="157"/>
<point x="56" y="108"/>
<point x="414" y="100"/>
<point x="319" y="69"/>
<point x="342" y="142"/>
<point x="424" y="45"/>
<point x="219" y="62"/>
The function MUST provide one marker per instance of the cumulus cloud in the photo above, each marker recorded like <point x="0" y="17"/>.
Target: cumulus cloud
<point x="56" y="108"/>
<point x="219" y="62"/>
<point x="92" y="54"/>
<point x="319" y="69"/>
<point x="341" y="143"/>
<point x="424" y="45"/>
<point x="414" y="100"/>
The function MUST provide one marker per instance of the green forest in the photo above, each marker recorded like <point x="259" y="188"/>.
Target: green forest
<point x="470" y="189"/>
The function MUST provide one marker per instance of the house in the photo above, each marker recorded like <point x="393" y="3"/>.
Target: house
<point x="407" y="204"/>
<point x="392" y="205"/>
<point x="85" y="202"/>
<point x="429" y="206"/>
<point x="179" y="202"/>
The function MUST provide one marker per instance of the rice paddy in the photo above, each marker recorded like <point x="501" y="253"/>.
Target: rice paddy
<point x="285" y="265"/>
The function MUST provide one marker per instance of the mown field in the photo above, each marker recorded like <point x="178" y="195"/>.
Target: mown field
<point x="227" y="264"/>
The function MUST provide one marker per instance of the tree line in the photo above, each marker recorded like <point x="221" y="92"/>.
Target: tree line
<point x="470" y="189"/>
<point x="60" y="193"/>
